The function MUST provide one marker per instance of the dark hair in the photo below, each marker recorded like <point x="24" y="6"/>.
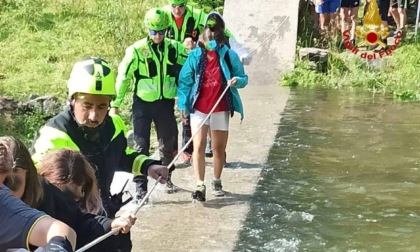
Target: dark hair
<point x="217" y="27"/>
<point x="21" y="159"/>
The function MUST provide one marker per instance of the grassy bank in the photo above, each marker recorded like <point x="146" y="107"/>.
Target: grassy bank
<point x="41" y="39"/>
<point x="396" y="74"/>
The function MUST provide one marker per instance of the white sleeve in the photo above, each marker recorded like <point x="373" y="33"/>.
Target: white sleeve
<point x="242" y="52"/>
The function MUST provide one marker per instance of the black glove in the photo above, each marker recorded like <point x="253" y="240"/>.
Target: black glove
<point x="58" y="244"/>
<point x="115" y="203"/>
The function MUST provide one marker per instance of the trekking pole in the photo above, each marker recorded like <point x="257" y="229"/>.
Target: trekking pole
<point x="117" y="230"/>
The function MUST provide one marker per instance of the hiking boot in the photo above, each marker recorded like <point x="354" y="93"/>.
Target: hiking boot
<point x="170" y="187"/>
<point x="217" y="188"/>
<point x="140" y="194"/>
<point x="199" y="194"/>
<point x="209" y="152"/>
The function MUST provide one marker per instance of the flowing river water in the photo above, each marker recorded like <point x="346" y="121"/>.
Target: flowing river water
<point x="343" y="175"/>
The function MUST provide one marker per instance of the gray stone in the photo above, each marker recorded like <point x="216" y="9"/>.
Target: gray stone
<point x="317" y="57"/>
<point x="8" y="105"/>
<point x="45" y="105"/>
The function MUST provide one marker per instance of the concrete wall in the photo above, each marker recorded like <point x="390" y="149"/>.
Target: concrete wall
<point x="269" y="29"/>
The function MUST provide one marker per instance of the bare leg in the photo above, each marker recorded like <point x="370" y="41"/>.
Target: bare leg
<point x="403" y="17"/>
<point x="345" y="22"/>
<point x="354" y="12"/>
<point x="396" y="15"/>
<point x="219" y="142"/>
<point x="199" y="143"/>
<point x="334" y="20"/>
<point x="324" y="21"/>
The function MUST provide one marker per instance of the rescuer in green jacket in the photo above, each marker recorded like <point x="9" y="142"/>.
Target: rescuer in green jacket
<point x="186" y="22"/>
<point x="152" y="65"/>
<point x="86" y="126"/>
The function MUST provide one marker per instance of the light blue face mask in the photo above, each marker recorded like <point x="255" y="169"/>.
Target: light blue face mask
<point x="211" y="45"/>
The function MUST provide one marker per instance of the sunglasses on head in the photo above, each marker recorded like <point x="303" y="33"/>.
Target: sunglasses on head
<point x="211" y="23"/>
<point x="178" y="5"/>
<point x="154" y="32"/>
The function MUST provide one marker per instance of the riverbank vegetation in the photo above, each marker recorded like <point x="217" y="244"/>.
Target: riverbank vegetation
<point x="41" y="39"/>
<point x="396" y="74"/>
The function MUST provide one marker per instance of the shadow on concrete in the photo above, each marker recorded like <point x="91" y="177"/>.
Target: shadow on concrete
<point x="189" y="164"/>
<point x="228" y="200"/>
<point x="172" y="202"/>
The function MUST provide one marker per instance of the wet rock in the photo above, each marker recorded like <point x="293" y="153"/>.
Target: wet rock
<point x="316" y="56"/>
<point x="45" y="105"/>
<point x="7" y="105"/>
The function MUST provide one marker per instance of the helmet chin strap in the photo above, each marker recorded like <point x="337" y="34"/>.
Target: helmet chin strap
<point x="90" y="134"/>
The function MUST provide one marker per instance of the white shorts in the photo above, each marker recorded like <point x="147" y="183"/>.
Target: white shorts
<point x="216" y="121"/>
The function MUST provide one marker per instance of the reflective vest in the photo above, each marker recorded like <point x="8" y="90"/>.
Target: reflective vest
<point x="153" y="68"/>
<point x="192" y="26"/>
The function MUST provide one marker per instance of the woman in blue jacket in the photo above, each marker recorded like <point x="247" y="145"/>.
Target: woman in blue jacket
<point x="210" y="69"/>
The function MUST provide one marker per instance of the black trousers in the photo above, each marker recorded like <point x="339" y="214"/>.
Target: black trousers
<point x="186" y="135"/>
<point x="161" y="113"/>
<point x="383" y="9"/>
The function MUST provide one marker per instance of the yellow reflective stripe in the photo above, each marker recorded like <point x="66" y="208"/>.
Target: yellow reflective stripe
<point x="148" y="84"/>
<point x="30" y="231"/>
<point x="51" y="139"/>
<point x="169" y="88"/>
<point x="137" y="164"/>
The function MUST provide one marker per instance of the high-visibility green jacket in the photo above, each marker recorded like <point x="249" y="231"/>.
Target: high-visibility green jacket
<point x="153" y="68"/>
<point x="193" y="25"/>
<point x="107" y="154"/>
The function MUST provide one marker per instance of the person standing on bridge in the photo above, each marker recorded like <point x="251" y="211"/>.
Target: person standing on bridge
<point x="153" y="64"/>
<point x="186" y="23"/>
<point x="210" y="69"/>
<point x="214" y="21"/>
<point x="216" y="24"/>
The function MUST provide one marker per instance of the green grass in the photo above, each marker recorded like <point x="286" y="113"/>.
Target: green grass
<point x="396" y="74"/>
<point x="40" y="40"/>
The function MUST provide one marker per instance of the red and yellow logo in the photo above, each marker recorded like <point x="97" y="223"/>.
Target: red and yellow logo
<point x="371" y="34"/>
